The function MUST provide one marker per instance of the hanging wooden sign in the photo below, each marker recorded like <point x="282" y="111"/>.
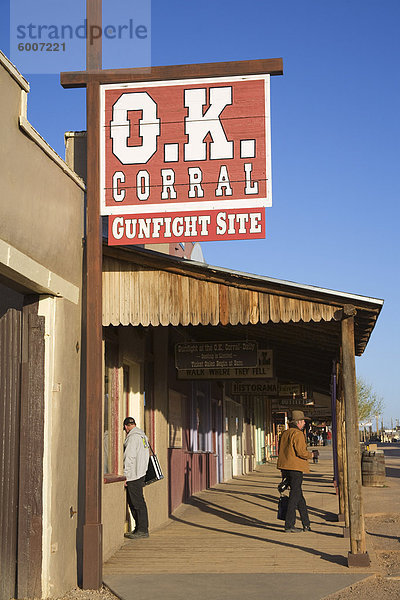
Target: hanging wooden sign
<point x="220" y="354"/>
<point x="195" y="148"/>
<point x="267" y="387"/>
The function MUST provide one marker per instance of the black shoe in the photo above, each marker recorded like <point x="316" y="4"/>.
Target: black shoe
<point x="137" y="534"/>
<point x="293" y="530"/>
<point x="129" y="534"/>
<point x="307" y="528"/>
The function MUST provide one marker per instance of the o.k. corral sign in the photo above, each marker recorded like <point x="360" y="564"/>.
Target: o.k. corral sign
<point x="186" y="160"/>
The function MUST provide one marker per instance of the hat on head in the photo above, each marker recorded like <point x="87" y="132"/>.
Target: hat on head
<point x="298" y="415"/>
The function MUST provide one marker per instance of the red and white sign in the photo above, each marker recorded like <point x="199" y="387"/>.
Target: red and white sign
<point x="186" y="146"/>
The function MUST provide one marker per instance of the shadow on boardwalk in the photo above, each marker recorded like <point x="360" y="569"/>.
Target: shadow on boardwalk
<point x="233" y="528"/>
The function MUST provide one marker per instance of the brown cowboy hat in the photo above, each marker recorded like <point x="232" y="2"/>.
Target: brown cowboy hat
<point x="298" y="415"/>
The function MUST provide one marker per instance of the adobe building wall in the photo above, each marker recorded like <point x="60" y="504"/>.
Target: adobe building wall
<point x="61" y="445"/>
<point x="113" y="517"/>
<point x="41" y="212"/>
<point x="156" y="494"/>
<point x="41" y="230"/>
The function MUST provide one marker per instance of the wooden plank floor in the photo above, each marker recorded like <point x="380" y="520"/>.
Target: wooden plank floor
<point x="233" y="528"/>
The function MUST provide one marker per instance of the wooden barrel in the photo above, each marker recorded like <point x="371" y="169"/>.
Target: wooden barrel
<point x="373" y="469"/>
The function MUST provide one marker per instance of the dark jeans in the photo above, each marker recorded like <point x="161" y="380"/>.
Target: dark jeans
<point x="137" y="504"/>
<point x="296" y="499"/>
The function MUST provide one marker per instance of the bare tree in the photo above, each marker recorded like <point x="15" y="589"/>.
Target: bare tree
<point x="369" y="403"/>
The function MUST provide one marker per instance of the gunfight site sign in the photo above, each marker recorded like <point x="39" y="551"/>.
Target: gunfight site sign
<point x="186" y="160"/>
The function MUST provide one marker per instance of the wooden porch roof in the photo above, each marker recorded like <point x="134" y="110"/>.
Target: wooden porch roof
<point x="141" y="287"/>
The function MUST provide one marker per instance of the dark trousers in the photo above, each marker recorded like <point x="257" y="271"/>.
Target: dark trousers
<point x="137" y="504"/>
<point x="296" y="499"/>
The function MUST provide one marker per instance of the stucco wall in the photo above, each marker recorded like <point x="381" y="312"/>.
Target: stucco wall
<point x="113" y="517"/>
<point x="41" y="218"/>
<point x="157" y="492"/>
<point x="41" y="210"/>
<point x="60" y="493"/>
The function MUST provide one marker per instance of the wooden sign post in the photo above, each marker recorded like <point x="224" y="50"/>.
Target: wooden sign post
<point x="92" y="528"/>
<point x="92" y="551"/>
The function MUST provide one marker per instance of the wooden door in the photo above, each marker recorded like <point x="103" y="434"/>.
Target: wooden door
<point x="10" y="385"/>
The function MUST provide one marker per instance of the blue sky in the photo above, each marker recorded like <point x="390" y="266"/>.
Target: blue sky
<point x="335" y="142"/>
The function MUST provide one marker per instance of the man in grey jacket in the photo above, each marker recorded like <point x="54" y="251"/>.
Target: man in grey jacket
<point x="136" y="460"/>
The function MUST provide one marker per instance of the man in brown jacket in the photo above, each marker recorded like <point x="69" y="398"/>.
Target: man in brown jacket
<point x="293" y="461"/>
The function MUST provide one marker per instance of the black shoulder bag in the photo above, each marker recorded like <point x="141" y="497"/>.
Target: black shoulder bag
<point x="153" y="472"/>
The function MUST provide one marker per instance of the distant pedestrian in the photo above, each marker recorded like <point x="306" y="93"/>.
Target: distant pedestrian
<point x="315" y="455"/>
<point x="136" y="460"/>
<point x="293" y="461"/>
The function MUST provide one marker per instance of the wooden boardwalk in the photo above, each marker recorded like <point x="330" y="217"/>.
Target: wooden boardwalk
<point x="233" y="528"/>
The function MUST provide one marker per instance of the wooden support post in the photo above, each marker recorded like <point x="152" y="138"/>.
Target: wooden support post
<point x="334" y="428"/>
<point x="342" y="454"/>
<point x="92" y="527"/>
<point x="358" y="556"/>
<point x="345" y="479"/>
<point x="346" y="529"/>
<point x="339" y="446"/>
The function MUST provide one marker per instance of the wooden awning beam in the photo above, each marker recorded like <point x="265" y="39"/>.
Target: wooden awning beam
<point x="348" y="310"/>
